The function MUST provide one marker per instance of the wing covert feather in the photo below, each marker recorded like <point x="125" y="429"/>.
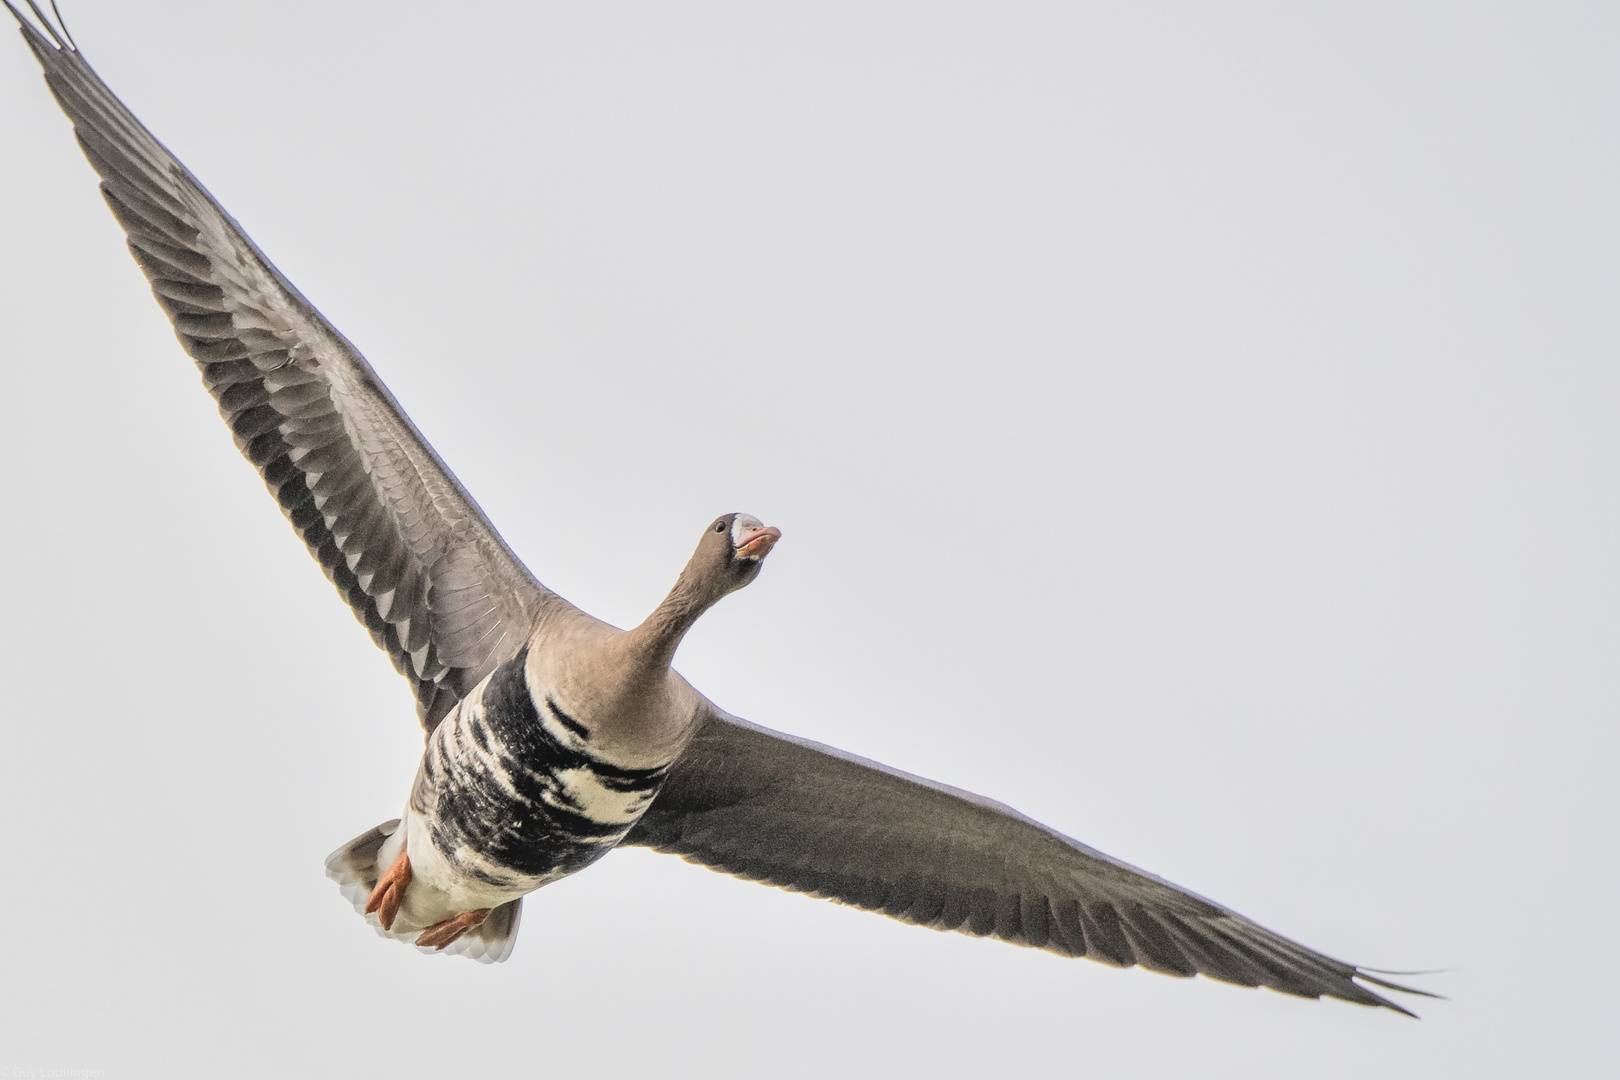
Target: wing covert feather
<point x="403" y="542"/>
<point x="784" y="811"/>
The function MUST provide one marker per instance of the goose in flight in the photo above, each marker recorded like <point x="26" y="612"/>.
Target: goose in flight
<point x="552" y="737"/>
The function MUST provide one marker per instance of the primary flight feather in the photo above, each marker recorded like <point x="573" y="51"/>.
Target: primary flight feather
<point x="553" y="737"/>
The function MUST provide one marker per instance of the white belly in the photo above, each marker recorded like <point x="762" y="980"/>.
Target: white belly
<point x="438" y="890"/>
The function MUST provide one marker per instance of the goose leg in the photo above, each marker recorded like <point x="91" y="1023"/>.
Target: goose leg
<point x="390" y="891"/>
<point x="443" y="933"/>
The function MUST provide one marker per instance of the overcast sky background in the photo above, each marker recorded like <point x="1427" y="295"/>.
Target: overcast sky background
<point x="1194" y="425"/>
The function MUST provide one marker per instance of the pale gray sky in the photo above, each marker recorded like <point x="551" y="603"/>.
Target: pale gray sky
<point x="1241" y="382"/>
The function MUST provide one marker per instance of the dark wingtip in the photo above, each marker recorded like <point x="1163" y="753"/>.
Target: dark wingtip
<point x="23" y="23"/>
<point x="36" y="40"/>
<point x="74" y="45"/>
<point x="1364" y="975"/>
<point x="46" y="23"/>
<point x="57" y="30"/>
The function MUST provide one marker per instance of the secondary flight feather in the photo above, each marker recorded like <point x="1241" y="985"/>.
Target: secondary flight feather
<point x="552" y="737"/>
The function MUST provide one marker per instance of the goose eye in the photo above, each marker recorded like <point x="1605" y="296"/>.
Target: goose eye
<point x="719" y="526"/>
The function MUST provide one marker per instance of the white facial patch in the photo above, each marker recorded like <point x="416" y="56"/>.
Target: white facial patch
<point x="744" y="525"/>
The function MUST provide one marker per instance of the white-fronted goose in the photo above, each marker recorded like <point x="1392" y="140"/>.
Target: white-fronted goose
<point x="553" y="737"/>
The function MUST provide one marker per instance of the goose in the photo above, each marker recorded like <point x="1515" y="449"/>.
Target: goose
<point x="552" y="737"/>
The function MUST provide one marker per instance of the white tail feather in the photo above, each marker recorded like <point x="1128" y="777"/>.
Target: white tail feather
<point x="354" y="867"/>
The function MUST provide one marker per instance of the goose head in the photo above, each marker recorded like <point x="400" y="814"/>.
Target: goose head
<point x="729" y="556"/>
<point x="733" y="549"/>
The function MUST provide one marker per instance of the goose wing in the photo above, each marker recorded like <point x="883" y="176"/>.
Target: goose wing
<point x="784" y="811"/>
<point x="404" y="543"/>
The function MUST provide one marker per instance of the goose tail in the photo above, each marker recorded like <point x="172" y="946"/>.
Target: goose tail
<point x="354" y="865"/>
<point x="354" y="868"/>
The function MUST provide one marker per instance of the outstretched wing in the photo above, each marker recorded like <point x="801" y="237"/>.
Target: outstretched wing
<point x="792" y="813"/>
<point x="404" y="543"/>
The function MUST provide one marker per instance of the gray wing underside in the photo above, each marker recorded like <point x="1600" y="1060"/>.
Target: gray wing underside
<point x="788" y="812"/>
<point x="402" y="541"/>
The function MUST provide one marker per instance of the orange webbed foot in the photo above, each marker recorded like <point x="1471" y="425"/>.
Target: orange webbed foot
<point x="390" y="891"/>
<point x="443" y="933"/>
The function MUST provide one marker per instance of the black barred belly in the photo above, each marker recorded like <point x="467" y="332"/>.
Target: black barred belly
<point x="511" y="793"/>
